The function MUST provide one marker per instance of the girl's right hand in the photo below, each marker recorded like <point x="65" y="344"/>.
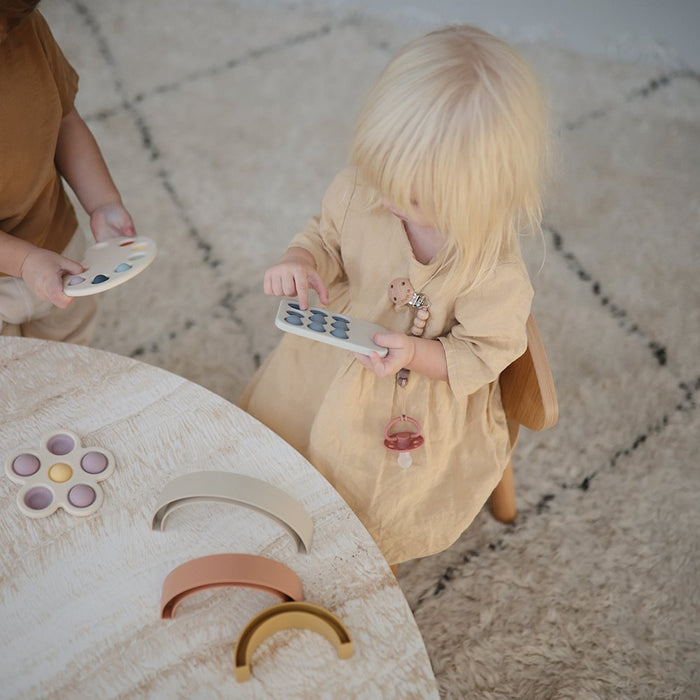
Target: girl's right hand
<point x="292" y="276"/>
<point x="43" y="271"/>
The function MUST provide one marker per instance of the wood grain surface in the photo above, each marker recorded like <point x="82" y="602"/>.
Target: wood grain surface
<point x="79" y="597"/>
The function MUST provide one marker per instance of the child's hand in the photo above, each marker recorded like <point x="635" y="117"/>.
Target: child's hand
<point x="43" y="271"/>
<point x="293" y="276"/>
<point x="402" y="349"/>
<point x="110" y="221"/>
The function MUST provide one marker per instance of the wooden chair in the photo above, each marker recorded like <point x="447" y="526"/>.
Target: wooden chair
<point x="529" y="399"/>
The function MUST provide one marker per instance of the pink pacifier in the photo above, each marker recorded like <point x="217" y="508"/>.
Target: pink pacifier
<point x="403" y="441"/>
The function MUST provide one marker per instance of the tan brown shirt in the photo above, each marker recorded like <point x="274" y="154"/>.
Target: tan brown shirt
<point x="37" y="89"/>
<point x="334" y="411"/>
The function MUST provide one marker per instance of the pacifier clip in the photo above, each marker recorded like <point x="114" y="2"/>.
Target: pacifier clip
<point x="401" y="292"/>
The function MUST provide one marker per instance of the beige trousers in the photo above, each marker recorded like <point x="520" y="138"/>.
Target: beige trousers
<point x="22" y="313"/>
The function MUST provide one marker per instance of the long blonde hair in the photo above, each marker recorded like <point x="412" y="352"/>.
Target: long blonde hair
<point x="456" y="125"/>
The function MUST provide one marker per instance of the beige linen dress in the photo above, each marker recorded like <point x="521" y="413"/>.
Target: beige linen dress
<point x="334" y="411"/>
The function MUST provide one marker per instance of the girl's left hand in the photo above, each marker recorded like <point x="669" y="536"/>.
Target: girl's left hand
<point x="110" y="221"/>
<point x="402" y="349"/>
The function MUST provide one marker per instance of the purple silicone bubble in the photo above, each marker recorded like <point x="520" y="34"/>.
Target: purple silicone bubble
<point x="76" y="279"/>
<point x="25" y="465"/>
<point x="38" y="498"/>
<point x="60" y="444"/>
<point x="94" y="462"/>
<point x="81" y="496"/>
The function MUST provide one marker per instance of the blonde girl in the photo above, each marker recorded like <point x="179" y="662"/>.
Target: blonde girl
<point x="420" y="235"/>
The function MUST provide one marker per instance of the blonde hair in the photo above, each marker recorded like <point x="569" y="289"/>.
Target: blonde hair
<point x="455" y="125"/>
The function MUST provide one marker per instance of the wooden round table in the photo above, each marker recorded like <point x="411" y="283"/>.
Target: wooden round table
<point x="80" y="596"/>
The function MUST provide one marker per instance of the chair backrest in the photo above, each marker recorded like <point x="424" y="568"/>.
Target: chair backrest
<point x="527" y="387"/>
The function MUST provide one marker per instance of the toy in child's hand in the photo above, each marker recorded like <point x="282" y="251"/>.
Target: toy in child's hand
<point x="110" y="263"/>
<point x="329" y="327"/>
<point x="61" y="473"/>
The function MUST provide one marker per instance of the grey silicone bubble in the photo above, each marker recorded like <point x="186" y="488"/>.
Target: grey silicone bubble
<point x="340" y="325"/>
<point x="294" y="320"/>
<point x="38" y="498"/>
<point x="25" y="465"/>
<point x="318" y="327"/>
<point x="93" y="462"/>
<point x="339" y="333"/>
<point x="60" y="444"/>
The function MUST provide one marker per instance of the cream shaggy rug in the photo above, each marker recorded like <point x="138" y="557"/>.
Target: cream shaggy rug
<point x="224" y="121"/>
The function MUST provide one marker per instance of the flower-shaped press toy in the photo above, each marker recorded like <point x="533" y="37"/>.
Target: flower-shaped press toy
<point x="60" y="474"/>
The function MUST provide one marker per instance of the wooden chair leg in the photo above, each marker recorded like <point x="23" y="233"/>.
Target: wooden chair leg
<point x="502" y="499"/>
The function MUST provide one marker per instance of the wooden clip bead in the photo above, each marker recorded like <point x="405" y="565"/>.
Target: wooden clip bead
<point x="401" y="293"/>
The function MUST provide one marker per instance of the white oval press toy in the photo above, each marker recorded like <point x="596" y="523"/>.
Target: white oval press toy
<point x="110" y="263"/>
<point x="329" y="327"/>
<point x="61" y="473"/>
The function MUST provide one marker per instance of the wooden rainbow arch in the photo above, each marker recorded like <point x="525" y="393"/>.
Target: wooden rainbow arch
<point x="292" y="615"/>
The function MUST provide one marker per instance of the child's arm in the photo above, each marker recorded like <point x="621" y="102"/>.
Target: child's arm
<point x="42" y="270"/>
<point x="405" y="351"/>
<point x="488" y="335"/>
<point x="80" y="162"/>
<point x="293" y="275"/>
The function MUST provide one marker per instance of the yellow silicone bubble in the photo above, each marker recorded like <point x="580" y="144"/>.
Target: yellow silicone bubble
<point x="60" y="472"/>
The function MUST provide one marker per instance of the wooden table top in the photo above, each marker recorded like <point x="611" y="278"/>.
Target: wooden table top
<point x="80" y="596"/>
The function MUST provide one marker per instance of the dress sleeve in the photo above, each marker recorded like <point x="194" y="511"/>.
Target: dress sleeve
<point x="490" y="331"/>
<point x="322" y="234"/>
<point x="63" y="73"/>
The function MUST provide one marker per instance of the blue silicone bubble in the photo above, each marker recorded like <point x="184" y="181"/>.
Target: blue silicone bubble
<point x="294" y="320"/>
<point x="340" y="333"/>
<point x="319" y="327"/>
<point x="98" y="279"/>
<point x="317" y="318"/>
<point x="341" y="319"/>
<point x="318" y="312"/>
<point x="340" y="325"/>
<point x="293" y="305"/>
<point x="122" y="267"/>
